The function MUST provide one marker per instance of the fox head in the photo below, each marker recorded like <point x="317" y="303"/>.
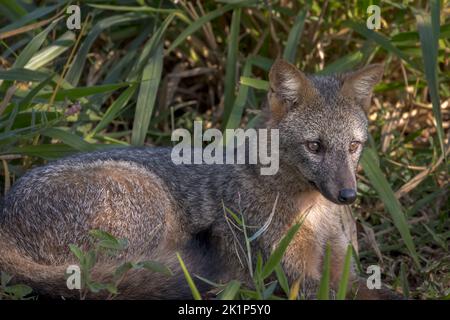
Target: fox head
<point x="322" y="124"/>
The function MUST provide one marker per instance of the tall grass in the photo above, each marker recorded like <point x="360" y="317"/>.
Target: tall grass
<point x="138" y="69"/>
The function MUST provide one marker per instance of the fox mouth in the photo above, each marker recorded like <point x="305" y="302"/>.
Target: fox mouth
<point x="314" y="185"/>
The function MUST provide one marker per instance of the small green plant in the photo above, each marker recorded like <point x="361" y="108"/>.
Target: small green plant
<point x="269" y="280"/>
<point x="13" y="292"/>
<point x="192" y="286"/>
<point x="263" y="283"/>
<point x="263" y="273"/>
<point x="263" y="288"/>
<point x="103" y="243"/>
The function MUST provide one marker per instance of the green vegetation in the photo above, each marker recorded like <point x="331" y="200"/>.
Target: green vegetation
<point x="138" y="69"/>
<point x="13" y="292"/>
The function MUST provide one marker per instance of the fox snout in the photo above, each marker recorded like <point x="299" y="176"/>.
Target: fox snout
<point x="344" y="195"/>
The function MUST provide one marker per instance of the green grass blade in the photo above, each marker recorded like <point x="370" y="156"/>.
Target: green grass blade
<point x="114" y="109"/>
<point x="50" y="53"/>
<point x="80" y="92"/>
<point x="240" y="102"/>
<point x="246" y="82"/>
<point x="290" y="51"/>
<point x="133" y="8"/>
<point x="234" y="216"/>
<point x="384" y="190"/>
<point x="404" y="280"/>
<point x="379" y="39"/>
<point x="152" y="56"/>
<point x="78" y="253"/>
<point x="33" y="46"/>
<point x="30" y="17"/>
<point x="268" y="292"/>
<point x="282" y="279"/>
<point x="436" y="237"/>
<point x="156" y="267"/>
<point x="324" y="286"/>
<point x="12" y="9"/>
<point x="193" y="27"/>
<point x="343" y="64"/>
<point x="230" y="291"/>
<point x="17" y="74"/>
<point x="435" y="23"/>
<point x="70" y="139"/>
<point x="294" y="290"/>
<point x="77" y="67"/>
<point x="26" y="101"/>
<point x="231" y="64"/>
<point x="45" y="151"/>
<point x="255" y="83"/>
<point x="121" y="69"/>
<point x="358" y="264"/>
<point x="148" y="89"/>
<point x="343" y="284"/>
<point x="192" y="286"/>
<point x="261" y="62"/>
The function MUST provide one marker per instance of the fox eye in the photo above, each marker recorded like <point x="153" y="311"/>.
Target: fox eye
<point x="354" y="146"/>
<point x="313" y="146"/>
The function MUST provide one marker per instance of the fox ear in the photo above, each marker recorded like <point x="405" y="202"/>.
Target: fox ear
<point x="359" y="84"/>
<point x="287" y="86"/>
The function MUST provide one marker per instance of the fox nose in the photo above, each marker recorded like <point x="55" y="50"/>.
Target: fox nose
<point x="347" y="196"/>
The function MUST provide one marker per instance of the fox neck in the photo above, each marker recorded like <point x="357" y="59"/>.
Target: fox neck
<point x="296" y="196"/>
